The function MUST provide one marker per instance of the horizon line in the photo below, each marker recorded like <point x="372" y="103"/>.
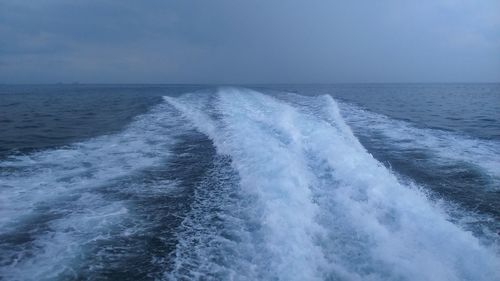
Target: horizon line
<point x="230" y="84"/>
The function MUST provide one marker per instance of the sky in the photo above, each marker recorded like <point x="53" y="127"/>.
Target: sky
<point x="253" y="41"/>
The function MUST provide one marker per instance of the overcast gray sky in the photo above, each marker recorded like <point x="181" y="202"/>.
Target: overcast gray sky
<point x="253" y="41"/>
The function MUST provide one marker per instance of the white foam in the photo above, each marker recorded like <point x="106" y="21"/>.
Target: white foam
<point x="328" y="209"/>
<point x="271" y="167"/>
<point x="59" y="252"/>
<point x="30" y="179"/>
<point x="448" y="147"/>
<point x="61" y="187"/>
<point x="218" y="239"/>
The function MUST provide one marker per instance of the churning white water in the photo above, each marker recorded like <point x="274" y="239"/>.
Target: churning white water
<point x="239" y="185"/>
<point x="326" y="208"/>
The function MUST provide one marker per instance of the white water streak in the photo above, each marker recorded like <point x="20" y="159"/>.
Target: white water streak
<point x="329" y="209"/>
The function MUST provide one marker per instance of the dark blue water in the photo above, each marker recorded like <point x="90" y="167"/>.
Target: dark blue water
<point x="43" y="116"/>
<point x="310" y="182"/>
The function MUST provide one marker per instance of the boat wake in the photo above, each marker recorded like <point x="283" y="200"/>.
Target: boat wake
<point x="321" y="206"/>
<point x="240" y="185"/>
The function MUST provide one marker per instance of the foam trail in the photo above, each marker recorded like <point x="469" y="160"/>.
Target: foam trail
<point x="217" y="238"/>
<point x="447" y="146"/>
<point x="270" y="166"/>
<point x="448" y="176"/>
<point x="397" y="221"/>
<point x="51" y="203"/>
<point x="328" y="209"/>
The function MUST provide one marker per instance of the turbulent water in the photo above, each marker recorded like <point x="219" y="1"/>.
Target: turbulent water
<point x="246" y="184"/>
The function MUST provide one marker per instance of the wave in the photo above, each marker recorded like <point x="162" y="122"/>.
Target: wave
<point x="54" y="205"/>
<point x="322" y="206"/>
<point x="445" y="147"/>
<point x="457" y="171"/>
<point x="281" y="190"/>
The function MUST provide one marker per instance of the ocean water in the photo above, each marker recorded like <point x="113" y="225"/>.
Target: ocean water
<point x="310" y="182"/>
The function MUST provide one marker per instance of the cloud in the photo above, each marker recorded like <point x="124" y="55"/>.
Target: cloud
<point x="231" y="41"/>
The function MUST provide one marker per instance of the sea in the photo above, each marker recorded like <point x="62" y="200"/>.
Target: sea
<point x="250" y="182"/>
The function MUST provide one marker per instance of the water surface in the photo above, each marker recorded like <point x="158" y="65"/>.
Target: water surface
<point x="315" y="182"/>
